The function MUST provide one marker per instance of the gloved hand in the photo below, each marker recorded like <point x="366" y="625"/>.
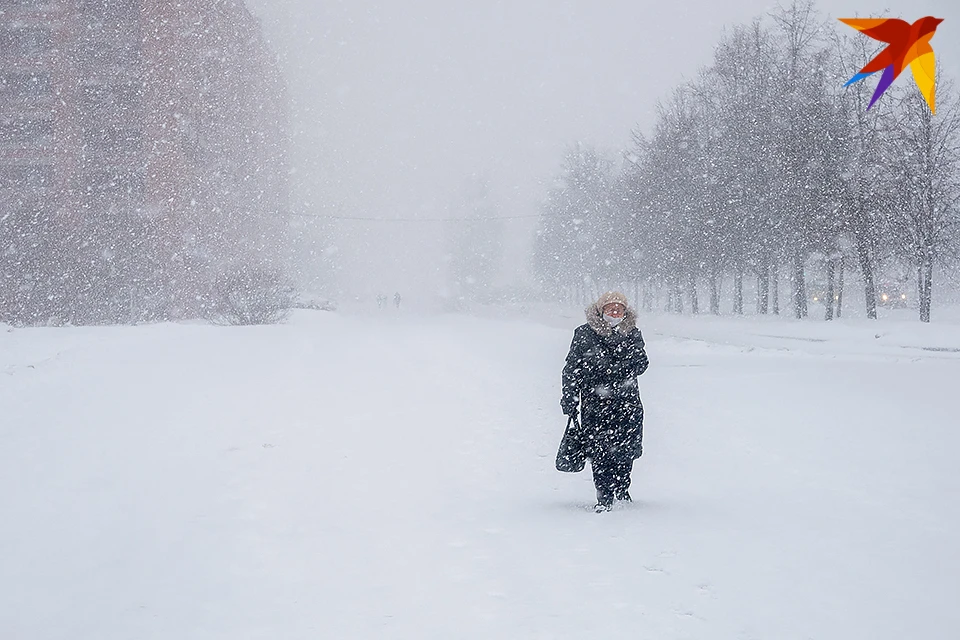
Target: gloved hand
<point x="569" y="410"/>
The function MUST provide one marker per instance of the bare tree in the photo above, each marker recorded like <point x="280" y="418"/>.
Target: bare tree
<point x="801" y="97"/>
<point x="862" y="204"/>
<point x="925" y="151"/>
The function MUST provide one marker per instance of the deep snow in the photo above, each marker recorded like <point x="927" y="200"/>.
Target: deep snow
<point x="390" y="476"/>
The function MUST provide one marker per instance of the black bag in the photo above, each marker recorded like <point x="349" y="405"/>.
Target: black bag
<point x="570" y="456"/>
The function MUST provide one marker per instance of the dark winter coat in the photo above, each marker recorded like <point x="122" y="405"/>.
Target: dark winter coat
<point x="601" y="374"/>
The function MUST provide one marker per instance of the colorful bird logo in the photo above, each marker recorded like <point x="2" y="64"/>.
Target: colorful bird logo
<point x="908" y="44"/>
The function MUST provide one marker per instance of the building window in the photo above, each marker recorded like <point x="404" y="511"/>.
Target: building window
<point x="117" y="142"/>
<point x="25" y="42"/>
<point x="115" y="183"/>
<point x="22" y="4"/>
<point x="26" y="176"/>
<point x="107" y="7"/>
<point x="24" y="86"/>
<point x="94" y="97"/>
<point x="97" y="53"/>
<point x="26" y="132"/>
<point x="99" y="99"/>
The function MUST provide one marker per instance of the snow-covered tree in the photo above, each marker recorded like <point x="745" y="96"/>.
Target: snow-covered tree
<point x="924" y="152"/>
<point x="581" y="238"/>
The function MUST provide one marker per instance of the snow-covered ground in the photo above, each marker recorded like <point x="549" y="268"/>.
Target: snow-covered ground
<point x="390" y="476"/>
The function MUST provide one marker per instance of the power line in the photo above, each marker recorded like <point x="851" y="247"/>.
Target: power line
<point x="304" y="215"/>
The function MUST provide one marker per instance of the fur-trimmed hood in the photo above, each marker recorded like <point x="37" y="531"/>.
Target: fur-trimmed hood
<point x="597" y="323"/>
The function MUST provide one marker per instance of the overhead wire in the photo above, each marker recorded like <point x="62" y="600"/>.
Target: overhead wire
<point x="304" y="215"/>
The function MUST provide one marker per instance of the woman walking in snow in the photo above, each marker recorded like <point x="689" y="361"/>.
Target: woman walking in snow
<point x="600" y="376"/>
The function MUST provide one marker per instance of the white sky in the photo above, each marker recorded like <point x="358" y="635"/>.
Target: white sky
<point x="395" y="102"/>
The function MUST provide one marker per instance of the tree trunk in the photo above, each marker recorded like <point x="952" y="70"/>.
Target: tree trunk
<point x="831" y="274"/>
<point x="920" y="286"/>
<point x="714" y="294"/>
<point x="840" y="270"/>
<point x="694" y="301"/>
<point x="775" y="281"/>
<point x="799" y="287"/>
<point x="869" y="289"/>
<point x="677" y="295"/>
<point x="738" y="293"/>
<point x="763" y="290"/>
<point x="926" y="294"/>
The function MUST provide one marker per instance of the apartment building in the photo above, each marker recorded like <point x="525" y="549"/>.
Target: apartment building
<point x="142" y="153"/>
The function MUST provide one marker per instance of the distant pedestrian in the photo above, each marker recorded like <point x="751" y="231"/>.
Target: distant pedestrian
<point x="396" y="299"/>
<point x="606" y="357"/>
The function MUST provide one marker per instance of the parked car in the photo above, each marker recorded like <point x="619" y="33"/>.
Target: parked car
<point x="820" y="296"/>
<point x="892" y="294"/>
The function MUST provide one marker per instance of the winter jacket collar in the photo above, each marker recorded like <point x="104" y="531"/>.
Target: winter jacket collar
<point x="597" y="323"/>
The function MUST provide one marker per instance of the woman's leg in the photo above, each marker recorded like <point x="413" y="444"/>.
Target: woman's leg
<point x="605" y="480"/>
<point x="622" y="479"/>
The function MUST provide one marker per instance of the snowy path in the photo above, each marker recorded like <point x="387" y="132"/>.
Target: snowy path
<point x="394" y="479"/>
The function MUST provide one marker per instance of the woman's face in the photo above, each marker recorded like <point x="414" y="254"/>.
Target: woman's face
<point x="614" y="310"/>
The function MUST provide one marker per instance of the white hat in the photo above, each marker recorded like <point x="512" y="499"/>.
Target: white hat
<point x="611" y="297"/>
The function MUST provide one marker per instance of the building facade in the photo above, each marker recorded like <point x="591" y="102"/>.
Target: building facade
<point x="142" y="156"/>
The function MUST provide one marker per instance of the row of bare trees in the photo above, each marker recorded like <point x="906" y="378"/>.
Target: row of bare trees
<point x="759" y="164"/>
